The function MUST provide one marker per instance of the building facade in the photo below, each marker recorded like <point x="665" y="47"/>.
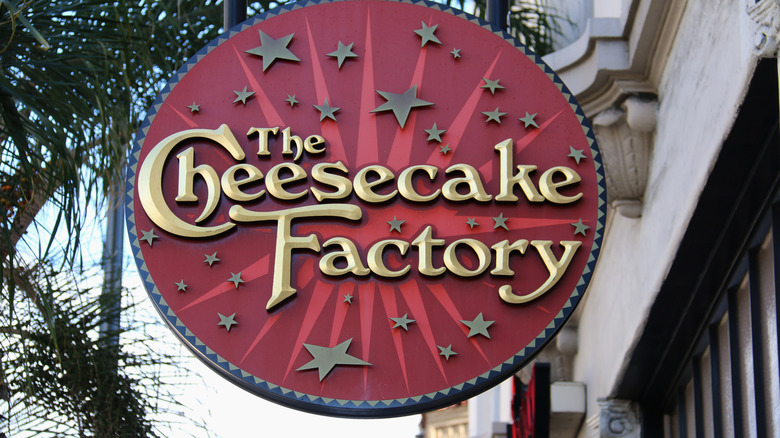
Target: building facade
<point x="678" y="334"/>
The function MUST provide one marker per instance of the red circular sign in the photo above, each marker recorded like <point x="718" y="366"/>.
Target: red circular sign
<point x="365" y="208"/>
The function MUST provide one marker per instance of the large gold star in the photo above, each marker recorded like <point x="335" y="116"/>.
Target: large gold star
<point x="326" y="358"/>
<point x="478" y="326"/>
<point x="272" y="49"/>
<point x="343" y="52"/>
<point x="401" y="104"/>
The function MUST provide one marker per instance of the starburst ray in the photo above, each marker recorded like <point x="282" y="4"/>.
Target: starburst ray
<point x="446" y="302"/>
<point x="461" y="121"/>
<point x="266" y="327"/>
<point x="366" y="302"/>
<point x="249" y="273"/>
<point x="272" y="117"/>
<point x="330" y="130"/>
<point x="316" y="305"/>
<point x="401" y="150"/>
<point x="183" y="117"/>
<point x="411" y="294"/>
<point x="387" y="293"/>
<point x="367" y="135"/>
<point x="340" y="314"/>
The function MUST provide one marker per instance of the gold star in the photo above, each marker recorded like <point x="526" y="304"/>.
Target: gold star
<point x="348" y="298"/>
<point x="492" y="85"/>
<point x="426" y="33"/>
<point x="343" y="52"/>
<point x="242" y="96"/>
<point x="235" y="279"/>
<point x="576" y="154"/>
<point x="579" y="227"/>
<point x="446" y="352"/>
<point x="478" y="326"/>
<point x="194" y="108"/>
<point x="227" y="321"/>
<point x="291" y="100"/>
<point x="435" y="134"/>
<point x="401" y="104"/>
<point x="455" y="53"/>
<point x="500" y="222"/>
<point x="326" y="358"/>
<point x="149" y="236"/>
<point x="395" y="224"/>
<point x="494" y="115"/>
<point x="211" y="259"/>
<point x="445" y="148"/>
<point x="402" y="322"/>
<point x="326" y="110"/>
<point x="181" y="286"/>
<point x="272" y="49"/>
<point x="472" y="222"/>
<point x="529" y="120"/>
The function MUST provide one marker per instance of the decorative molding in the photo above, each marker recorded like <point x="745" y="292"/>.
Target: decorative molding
<point x="766" y="15"/>
<point x="617" y="419"/>
<point x="625" y="137"/>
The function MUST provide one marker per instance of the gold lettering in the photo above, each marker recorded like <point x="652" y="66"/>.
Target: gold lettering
<point x="263" y="135"/>
<point x="281" y="289"/>
<point x="406" y="187"/>
<point x="503" y="250"/>
<point x="286" y="139"/>
<point x="348" y="252"/>
<point x="311" y="142"/>
<point x="556" y="269"/>
<point x="376" y="258"/>
<point x="274" y="183"/>
<point x="364" y="188"/>
<point x="508" y="180"/>
<point x="342" y="185"/>
<point x="550" y="189"/>
<point x="471" y="178"/>
<point x="187" y="173"/>
<point x="232" y="187"/>
<point x="425" y="243"/>
<point x="453" y="264"/>
<point x="150" y="181"/>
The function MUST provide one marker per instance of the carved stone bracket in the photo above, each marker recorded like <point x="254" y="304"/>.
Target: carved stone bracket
<point x="766" y="14"/>
<point x="617" y="419"/>
<point x="625" y="137"/>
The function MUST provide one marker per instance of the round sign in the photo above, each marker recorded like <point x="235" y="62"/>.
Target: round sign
<point x="365" y="208"/>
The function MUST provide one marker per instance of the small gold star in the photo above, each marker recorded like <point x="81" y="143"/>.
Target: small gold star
<point x="478" y="326"/>
<point x="272" y="49"/>
<point x="149" y="236"/>
<point x="434" y="133"/>
<point x="242" y="96"/>
<point x="348" y="298"/>
<point x="500" y="222"/>
<point x="402" y="322"/>
<point x="343" y="52"/>
<point x="455" y="53"/>
<point x="576" y="154"/>
<point x="494" y="115"/>
<point x="291" y="100"/>
<point x="227" y="321"/>
<point x="426" y="34"/>
<point x="326" y="110"/>
<point x="492" y="85"/>
<point x="445" y="148"/>
<point x="211" y="259"/>
<point x="529" y="120"/>
<point x="181" y="286"/>
<point x="395" y="224"/>
<point x="579" y="227"/>
<point x="472" y="222"/>
<point x="446" y="351"/>
<point x="235" y="279"/>
<point x="194" y="108"/>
